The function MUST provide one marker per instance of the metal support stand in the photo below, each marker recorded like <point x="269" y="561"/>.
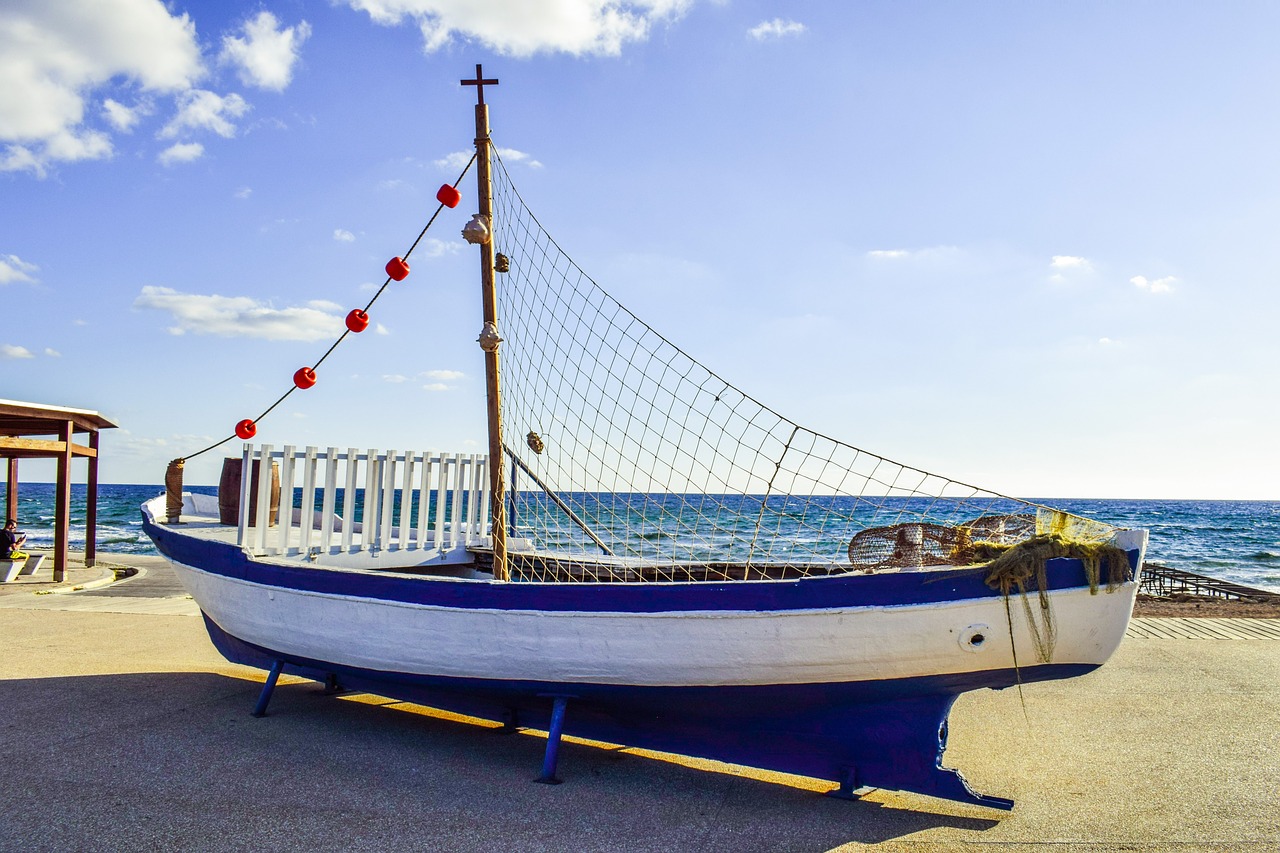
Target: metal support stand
<point x="510" y="722"/>
<point x="332" y="686"/>
<point x="263" y="698"/>
<point x="548" y="776"/>
<point x="848" y="785"/>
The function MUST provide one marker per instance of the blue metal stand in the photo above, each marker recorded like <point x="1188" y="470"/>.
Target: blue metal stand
<point x="548" y="776"/>
<point x="510" y="722"/>
<point x="263" y="698"/>
<point x="332" y="686"/>
<point x="848" y="785"/>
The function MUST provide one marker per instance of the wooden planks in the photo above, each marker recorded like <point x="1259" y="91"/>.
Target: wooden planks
<point x="1203" y="629"/>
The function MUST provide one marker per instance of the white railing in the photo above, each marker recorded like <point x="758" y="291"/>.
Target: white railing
<point x="448" y="494"/>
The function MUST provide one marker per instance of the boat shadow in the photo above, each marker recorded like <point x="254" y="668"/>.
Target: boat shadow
<point x="143" y="757"/>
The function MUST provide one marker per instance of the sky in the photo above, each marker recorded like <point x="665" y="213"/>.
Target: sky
<point x="1029" y="246"/>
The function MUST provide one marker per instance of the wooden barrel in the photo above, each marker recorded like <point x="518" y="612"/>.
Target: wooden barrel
<point x="229" y="492"/>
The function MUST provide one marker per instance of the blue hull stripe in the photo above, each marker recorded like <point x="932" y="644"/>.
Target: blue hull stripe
<point x="815" y="593"/>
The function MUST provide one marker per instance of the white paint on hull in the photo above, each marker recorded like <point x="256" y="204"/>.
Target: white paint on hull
<point x="684" y="648"/>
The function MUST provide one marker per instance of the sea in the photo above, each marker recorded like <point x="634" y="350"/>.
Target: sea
<point x="1237" y="541"/>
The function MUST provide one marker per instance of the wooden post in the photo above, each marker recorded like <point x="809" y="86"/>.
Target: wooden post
<point x="11" y="493"/>
<point x="62" y="503"/>
<point x="91" y="505"/>
<point x="497" y="488"/>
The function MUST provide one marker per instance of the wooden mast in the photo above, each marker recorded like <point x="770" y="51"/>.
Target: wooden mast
<point x="489" y="338"/>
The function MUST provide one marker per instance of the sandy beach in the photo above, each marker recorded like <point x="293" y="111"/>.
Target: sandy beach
<point x="124" y="730"/>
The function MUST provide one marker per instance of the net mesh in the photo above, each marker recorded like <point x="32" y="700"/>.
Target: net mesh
<point x="631" y="461"/>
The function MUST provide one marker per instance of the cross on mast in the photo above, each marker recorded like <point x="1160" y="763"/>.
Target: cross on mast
<point x="480" y="83"/>
<point x="489" y="338"/>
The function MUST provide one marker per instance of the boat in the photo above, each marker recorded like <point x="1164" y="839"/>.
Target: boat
<point x="645" y="555"/>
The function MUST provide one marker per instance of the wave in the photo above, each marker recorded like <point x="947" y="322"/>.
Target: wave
<point x="1264" y="557"/>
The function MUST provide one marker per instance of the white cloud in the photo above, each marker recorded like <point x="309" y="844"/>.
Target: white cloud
<point x="444" y="375"/>
<point x="200" y="109"/>
<point x="1106" y="342"/>
<point x="379" y="329"/>
<point x="436" y="386"/>
<point x="433" y="248"/>
<point x="777" y="28"/>
<point x="522" y="29"/>
<point x="887" y="254"/>
<point x="123" y="118"/>
<point x="458" y="160"/>
<point x="514" y="156"/>
<point x="243" y="192"/>
<point x="265" y="55"/>
<point x="182" y="152"/>
<point x="14" y="351"/>
<point x="1069" y="267"/>
<point x="1070" y="262"/>
<point x="14" y="268"/>
<point x="343" y="236"/>
<point x="52" y="353"/>
<point x="1160" y="285"/>
<point x="394" y="378"/>
<point x="455" y="162"/>
<point x="242" y="317"/>
<point x="53" y="55"/>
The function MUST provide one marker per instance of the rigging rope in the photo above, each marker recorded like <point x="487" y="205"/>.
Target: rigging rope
<point x="345" y="332"/>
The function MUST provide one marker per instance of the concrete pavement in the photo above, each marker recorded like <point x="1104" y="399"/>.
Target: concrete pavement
<point x="126" y="731"/>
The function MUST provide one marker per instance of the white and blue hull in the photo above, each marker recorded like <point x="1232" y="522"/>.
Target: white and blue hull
<point x="846" y="677"/>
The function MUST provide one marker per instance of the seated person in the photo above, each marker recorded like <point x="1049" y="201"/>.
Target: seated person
<point x="11" y="540"/>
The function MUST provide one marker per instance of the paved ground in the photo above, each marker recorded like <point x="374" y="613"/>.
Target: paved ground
<point x="123" y="730"/>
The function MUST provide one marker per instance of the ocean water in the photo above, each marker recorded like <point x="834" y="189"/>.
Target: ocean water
<point x="1233" y="540"/>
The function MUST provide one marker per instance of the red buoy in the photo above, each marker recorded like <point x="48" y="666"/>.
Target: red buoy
<point x="448" y="195"/>
<point x="246" y="429"/>
<point x="397" y="268"/>
<point x="304" y="378"/>
<point x="357" y="320"/>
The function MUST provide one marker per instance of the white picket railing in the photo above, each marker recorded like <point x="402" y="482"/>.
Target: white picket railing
<point x="456" y="519"/>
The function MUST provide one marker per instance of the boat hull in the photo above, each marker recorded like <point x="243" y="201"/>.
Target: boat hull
<point x="756" y="673"/>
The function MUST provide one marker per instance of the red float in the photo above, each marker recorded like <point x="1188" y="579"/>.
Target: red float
<point x="246" y="429"/>
<point x="448" y="195"/>
<point x="304" y="378"/>
<point x="357" y="320"/>
<point x="397" y="268"/>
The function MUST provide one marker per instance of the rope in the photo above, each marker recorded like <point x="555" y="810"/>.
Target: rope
<point x="345" y="332"/>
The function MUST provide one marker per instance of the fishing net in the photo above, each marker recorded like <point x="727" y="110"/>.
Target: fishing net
<point x="630" y="460"/>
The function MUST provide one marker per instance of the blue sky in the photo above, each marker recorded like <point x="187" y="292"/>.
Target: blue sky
<point x="1030" y="246"/>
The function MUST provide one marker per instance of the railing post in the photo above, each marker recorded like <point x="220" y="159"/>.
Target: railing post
<point x="242" y="518"/>
<point x="263" y="509"/>
<point x="424" y="500"/>
<point x="349" y="499"/>
<point x="307" y="508"/>
<point x="285" y="524"/>
<point x="369" y="526"/>
<point x="330" y="497"/>
<point x="387" y="509"/>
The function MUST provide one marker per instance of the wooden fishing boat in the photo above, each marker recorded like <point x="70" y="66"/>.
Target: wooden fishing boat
<point x="658" y="561"/>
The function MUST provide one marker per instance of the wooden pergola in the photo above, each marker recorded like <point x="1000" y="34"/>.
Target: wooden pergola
<point x="37" y="431"/>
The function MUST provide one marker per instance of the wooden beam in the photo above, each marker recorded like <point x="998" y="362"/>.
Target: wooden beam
<point x="30" y="447"/>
